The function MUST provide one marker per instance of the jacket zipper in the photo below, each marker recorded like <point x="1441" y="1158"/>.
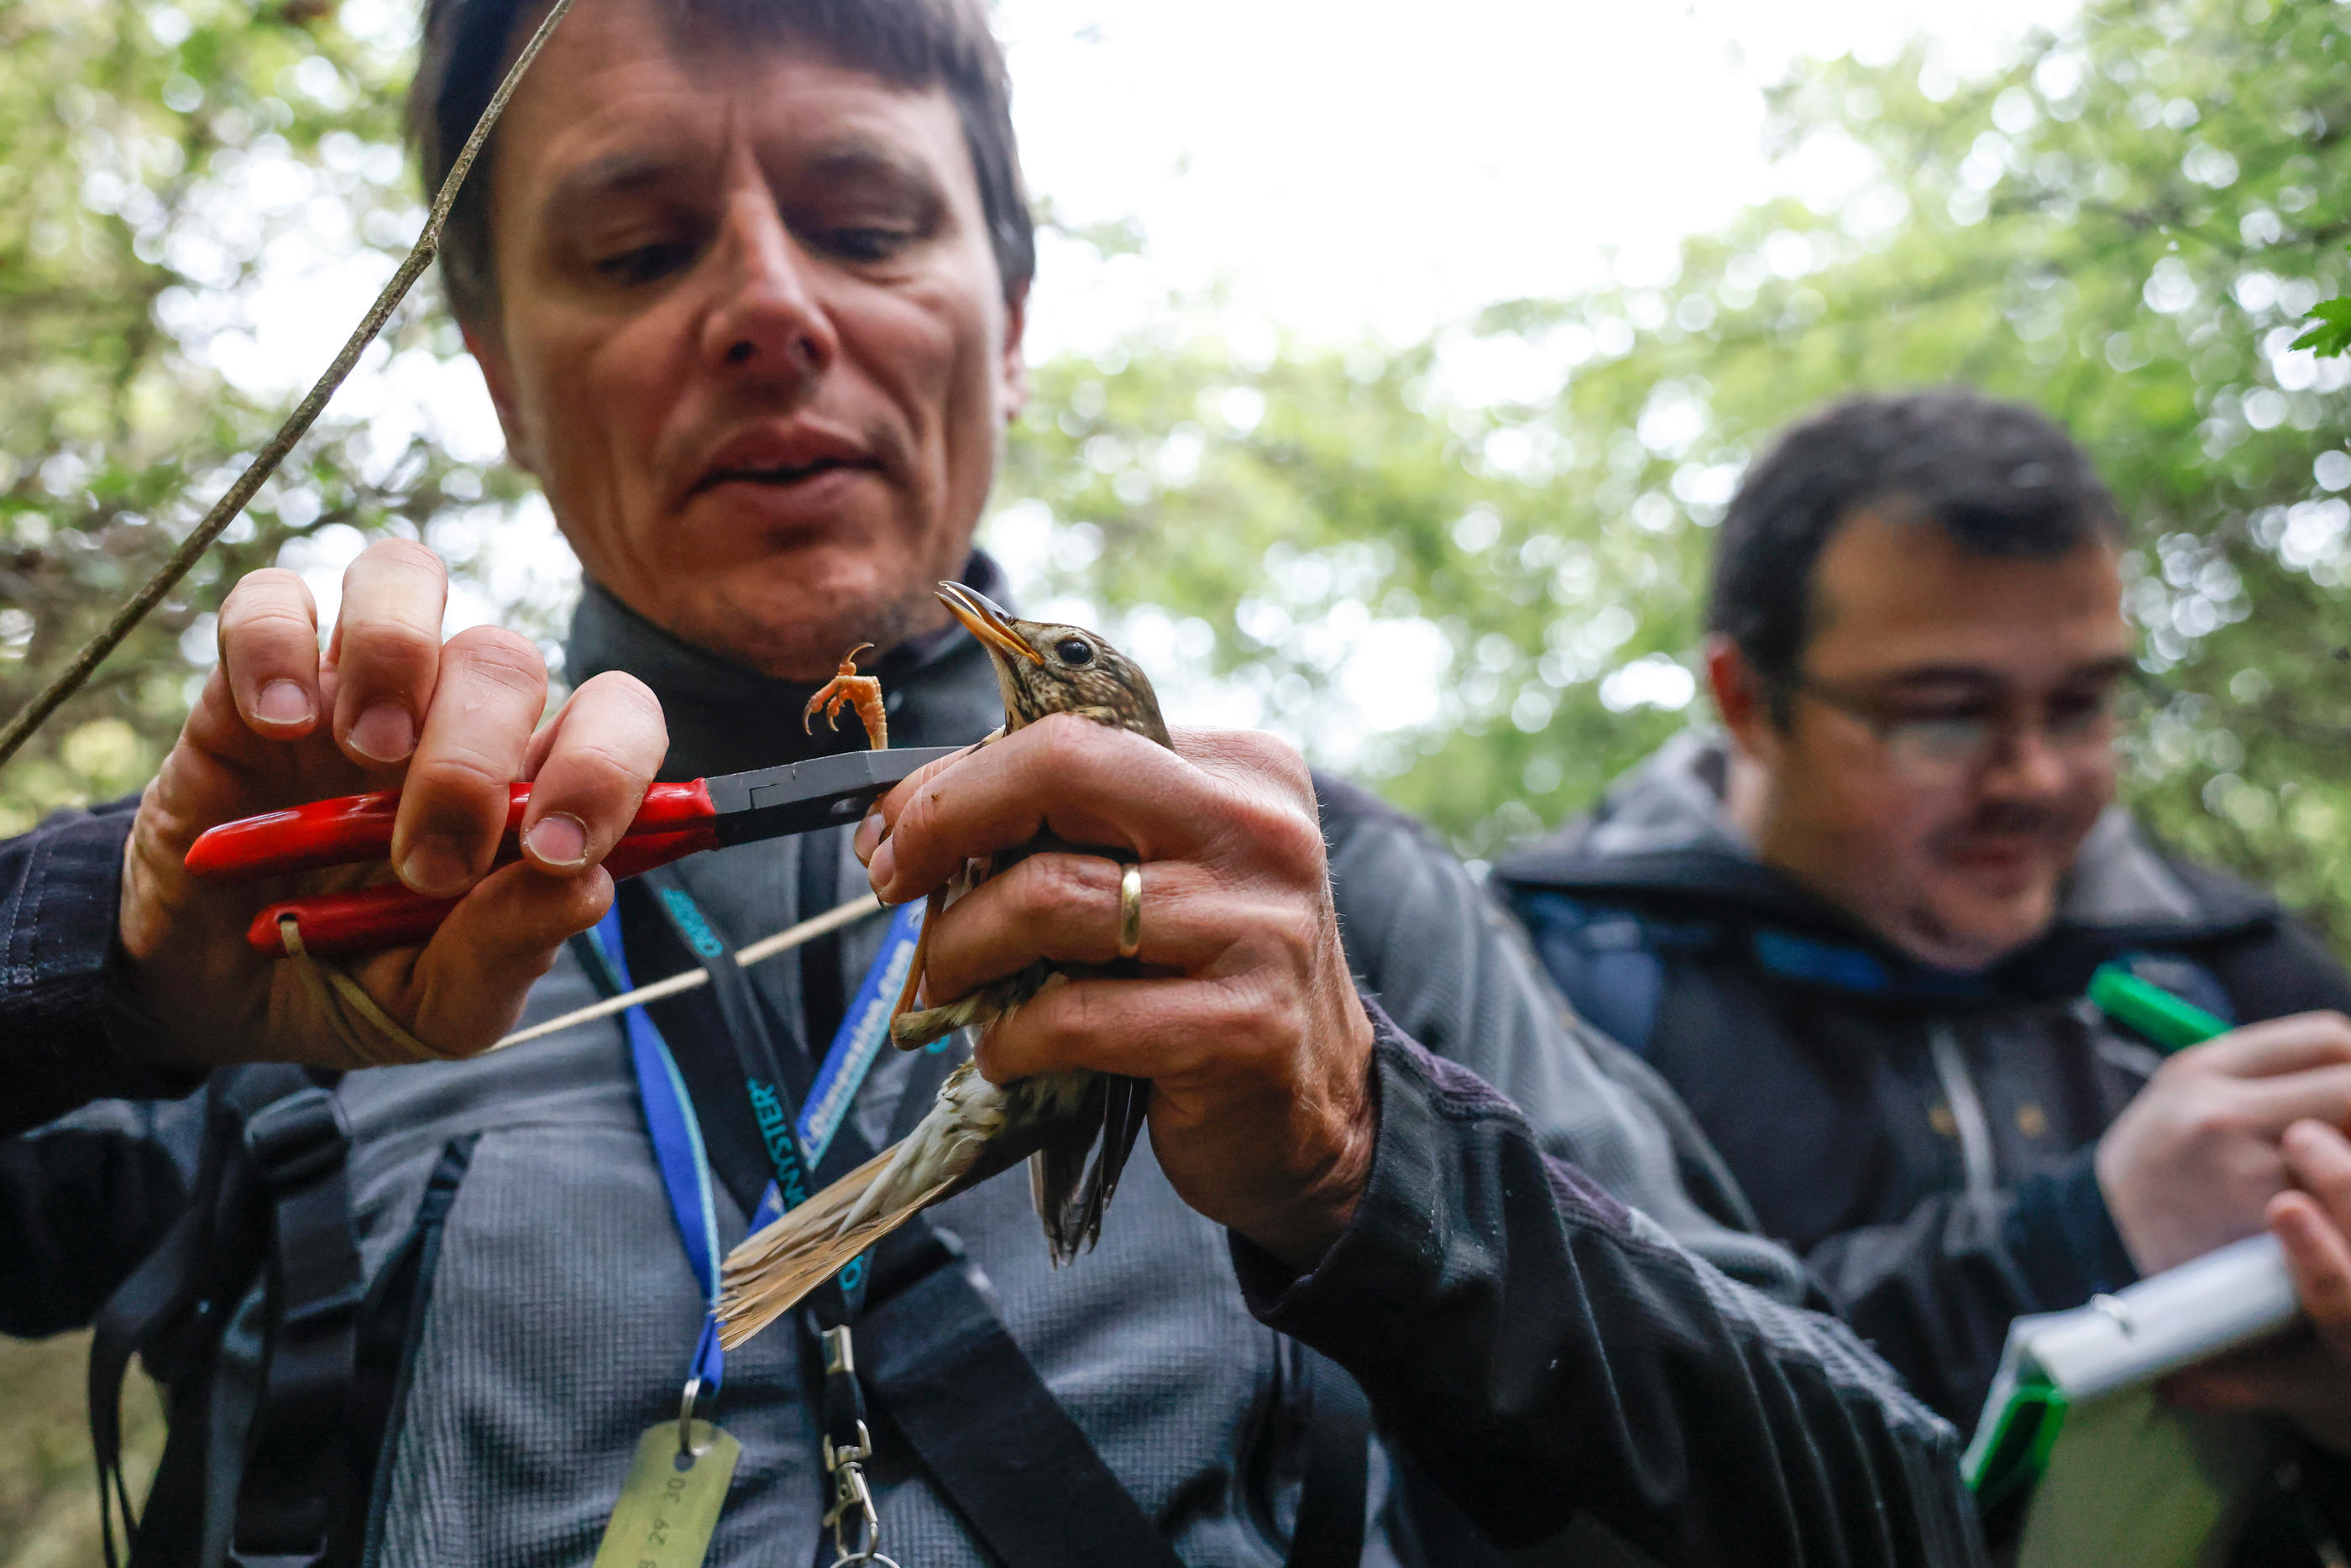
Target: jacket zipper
<point x="1967" y="1109"/>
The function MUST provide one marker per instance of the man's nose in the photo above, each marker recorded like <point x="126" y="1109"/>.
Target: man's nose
<point x="771" y="324"/>
<point x="2028" y="765"/>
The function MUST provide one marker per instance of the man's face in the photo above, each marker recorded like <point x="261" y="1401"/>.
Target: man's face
<point x="750" y="336"/>
<point x="1871" y="795"/>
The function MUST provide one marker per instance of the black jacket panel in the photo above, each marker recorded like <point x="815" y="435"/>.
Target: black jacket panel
<point x="61" y="889"/>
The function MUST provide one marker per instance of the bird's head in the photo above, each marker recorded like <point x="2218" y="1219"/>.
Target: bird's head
<point x="1047" y="669"/>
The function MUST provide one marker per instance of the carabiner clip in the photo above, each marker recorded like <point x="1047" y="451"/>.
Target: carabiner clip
<point x="852" y="1513"/>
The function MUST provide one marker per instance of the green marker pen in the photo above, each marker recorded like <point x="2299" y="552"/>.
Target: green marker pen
<point x="2168" y="1022"/>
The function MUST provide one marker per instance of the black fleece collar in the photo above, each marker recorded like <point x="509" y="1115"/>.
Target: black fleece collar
<point x="724" y="717"/>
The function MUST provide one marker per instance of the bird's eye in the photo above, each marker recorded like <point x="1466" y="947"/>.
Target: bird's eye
<point x="1075" y="651"/>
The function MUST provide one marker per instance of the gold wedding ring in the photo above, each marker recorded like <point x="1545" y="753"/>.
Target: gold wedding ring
<point x="1130" y="910"/>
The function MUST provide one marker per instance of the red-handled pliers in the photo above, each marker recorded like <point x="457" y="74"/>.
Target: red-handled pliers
<point x="676" y="820"/>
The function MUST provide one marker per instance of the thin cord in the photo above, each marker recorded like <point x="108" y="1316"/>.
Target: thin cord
<point x="298" y="424"/>
<point x="791" y="936"/>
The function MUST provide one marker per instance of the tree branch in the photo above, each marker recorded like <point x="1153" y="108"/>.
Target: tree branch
<point x="71" y="680"/>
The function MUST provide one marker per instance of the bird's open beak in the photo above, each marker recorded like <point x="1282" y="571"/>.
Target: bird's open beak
<point x="984" y="620"/>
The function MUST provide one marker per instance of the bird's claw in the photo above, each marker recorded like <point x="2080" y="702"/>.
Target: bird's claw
<point x="847" y="688"/>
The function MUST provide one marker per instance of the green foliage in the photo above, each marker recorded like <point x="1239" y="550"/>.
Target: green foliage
<point x="162" y="168"/>
<point x="2126" y="226"/>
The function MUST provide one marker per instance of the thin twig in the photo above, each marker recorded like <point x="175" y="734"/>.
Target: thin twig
<point x="298" y="424"/>
<point x="791" y="936"/>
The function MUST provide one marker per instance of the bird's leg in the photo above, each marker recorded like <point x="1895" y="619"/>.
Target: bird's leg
<point x="937" y="901"/>
<point x="847" y="688"/>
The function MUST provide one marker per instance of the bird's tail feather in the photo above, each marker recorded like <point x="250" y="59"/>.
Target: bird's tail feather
<point x="772" y="1270"/>
<point x="769" y="1273"/>
<point x="1071" y="1193"/>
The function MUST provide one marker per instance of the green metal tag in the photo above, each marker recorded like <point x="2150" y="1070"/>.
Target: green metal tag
<point x="666" y="1514"/>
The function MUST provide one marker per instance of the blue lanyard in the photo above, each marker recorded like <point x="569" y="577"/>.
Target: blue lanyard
<point x="676" y="1133"/>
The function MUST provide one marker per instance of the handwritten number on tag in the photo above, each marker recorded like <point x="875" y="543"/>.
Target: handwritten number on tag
<point x="666" y="1514"/>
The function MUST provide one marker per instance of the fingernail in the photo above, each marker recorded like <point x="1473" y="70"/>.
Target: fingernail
<point x="282" y="702"/>
<point x="559" y="839"/>
<point x="869" y="836"/>
<point x="436" y="867"/>
<point x="384" y="733"/>
<point x="883" y="869"/>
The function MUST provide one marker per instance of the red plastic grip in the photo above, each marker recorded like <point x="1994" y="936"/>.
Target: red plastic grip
<point x="370" y="919"/>
<point x="357" y="829"/>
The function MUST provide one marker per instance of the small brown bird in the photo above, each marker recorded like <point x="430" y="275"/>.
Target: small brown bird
<point x="977" y="1129"/>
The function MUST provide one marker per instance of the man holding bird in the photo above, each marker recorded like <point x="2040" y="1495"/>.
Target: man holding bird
<point x="747" y="282"/>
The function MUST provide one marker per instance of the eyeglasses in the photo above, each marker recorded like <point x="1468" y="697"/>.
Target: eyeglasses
<point x="1950" y="744"/>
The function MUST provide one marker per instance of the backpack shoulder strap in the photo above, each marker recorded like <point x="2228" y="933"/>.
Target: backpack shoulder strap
<point x="1605" y="961"/>
<point x="270" y="1204"/>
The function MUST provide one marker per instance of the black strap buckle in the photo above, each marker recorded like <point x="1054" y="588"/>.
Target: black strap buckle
<point x="298" y="1140"/>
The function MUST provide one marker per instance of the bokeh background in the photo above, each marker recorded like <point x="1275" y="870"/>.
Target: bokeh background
<point x="1394" y="364"/>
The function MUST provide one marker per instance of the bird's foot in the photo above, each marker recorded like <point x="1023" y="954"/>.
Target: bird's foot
<point x="847" y="688"/>
<point x="913" y="1029"/>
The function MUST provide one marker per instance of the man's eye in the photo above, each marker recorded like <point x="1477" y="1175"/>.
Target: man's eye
<point x="647" y="264"/>
<point x="1941" y="735"/>
<point x="866" y="245"/>
<point x="2078" y="713"/>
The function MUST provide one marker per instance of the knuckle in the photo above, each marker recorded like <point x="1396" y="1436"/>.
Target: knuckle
<point x="384" y="643"/>
<point x="1050" y="883"/>
<point x="402" y="557"/>
<point x="2216" y="1125"/>
<point x="621" y="693"/>
<point x="463" y="768"/>
<point x="1280" y="760"/>
<point x="1282" y="836"/>
<point x="912" y="820"/>
<point x="274" y="621"/>
<point x="458" y="794"/>
<point x="1081" y="1015"/>
<point x="594" y="768"/>
<point x="1301" y="931"/>
<point x="500" y="658"/>
<point x="1260" y="1027"/>
<point x="1064" y="741"/>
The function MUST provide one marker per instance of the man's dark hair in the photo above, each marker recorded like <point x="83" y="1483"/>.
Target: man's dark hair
<point x="469" y="44"/>
<point x="2001" y="479"/>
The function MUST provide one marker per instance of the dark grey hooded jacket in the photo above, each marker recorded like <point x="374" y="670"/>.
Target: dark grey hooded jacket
<point x="1575" y="1380"/>
<point x="1926" y="1139"/>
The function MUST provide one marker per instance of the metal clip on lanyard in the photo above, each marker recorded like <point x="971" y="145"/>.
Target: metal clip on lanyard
<point x="847" y="1446"/>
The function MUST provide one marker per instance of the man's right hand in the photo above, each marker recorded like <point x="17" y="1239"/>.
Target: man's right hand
<point x="390" y="706"/>
<point x="2192" y="1163"/>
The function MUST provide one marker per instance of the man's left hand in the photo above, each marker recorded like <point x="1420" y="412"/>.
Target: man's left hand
<point x="1246" y="1019"/>
<point x="2308" y="1375"/>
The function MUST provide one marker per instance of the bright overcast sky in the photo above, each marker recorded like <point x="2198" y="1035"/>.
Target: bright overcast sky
<point x="1354" y="165"/>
